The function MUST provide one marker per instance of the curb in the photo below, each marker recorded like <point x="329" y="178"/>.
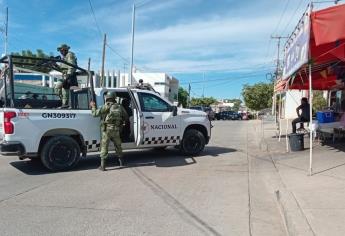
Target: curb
<point x="294" y="219"/>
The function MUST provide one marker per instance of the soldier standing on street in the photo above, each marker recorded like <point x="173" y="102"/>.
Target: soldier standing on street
<point x="113" y="117"/>
<point x="69" y="73"/>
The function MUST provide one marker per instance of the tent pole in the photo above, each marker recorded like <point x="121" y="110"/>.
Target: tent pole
<point x="310" y="106"/>
<point x="310" y="123"/>
<point x="279" y="115"/>
<point x="286" y="135"/>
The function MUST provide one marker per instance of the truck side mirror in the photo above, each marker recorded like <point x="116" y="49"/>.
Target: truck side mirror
<point x="174" y="110"/>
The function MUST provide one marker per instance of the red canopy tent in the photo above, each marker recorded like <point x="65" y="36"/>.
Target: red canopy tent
<point x="326" y="52"/>
<point x="315" y="55"/>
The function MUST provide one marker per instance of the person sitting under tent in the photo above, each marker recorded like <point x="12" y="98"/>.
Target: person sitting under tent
<point x="304" y="116"/>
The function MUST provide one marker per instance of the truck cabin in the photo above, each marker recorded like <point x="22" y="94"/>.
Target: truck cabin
<point x="30" y="83"/>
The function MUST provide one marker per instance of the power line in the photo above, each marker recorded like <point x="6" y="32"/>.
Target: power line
<point x="251" y="75"/>
<point x="227" y="82"/>
<point x="328" y="1"/>
<point x="118" y="54"/>
<point x="230" y="82"/>
<point x="258" y="66"/>
<point x="281" y="16"/>
<point x="95" y="19"/>
<point x="292" y="16"/>
<point x="142" y="3"/>
<point x="276" y="28"/>
<point x="254" y="69"/>
<point x="195" y="94"/>
<point x="101" y="34"/>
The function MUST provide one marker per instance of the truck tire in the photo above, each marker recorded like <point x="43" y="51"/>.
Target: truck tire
<point x="60" y="153"/>
<point x="193" y="142"/>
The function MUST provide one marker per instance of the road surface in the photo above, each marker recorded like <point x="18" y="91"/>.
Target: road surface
<point x="225" y="191"/>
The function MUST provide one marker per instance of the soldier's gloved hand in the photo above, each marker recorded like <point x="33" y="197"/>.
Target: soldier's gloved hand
<point x="92" y="104"/>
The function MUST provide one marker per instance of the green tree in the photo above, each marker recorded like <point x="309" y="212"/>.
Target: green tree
<point x="28" y="53"/>
<point x="182" y="97"/>
<point x="319" y="102"/>
<point x="258" y="96"/>
<point x="207" y="101"/>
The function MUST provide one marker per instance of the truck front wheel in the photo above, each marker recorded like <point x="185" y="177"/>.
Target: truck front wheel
<point x="60" y="153"/>
<point x="193" y="142"/>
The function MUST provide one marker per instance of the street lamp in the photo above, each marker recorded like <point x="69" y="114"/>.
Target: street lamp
<point x="132" y="46"/>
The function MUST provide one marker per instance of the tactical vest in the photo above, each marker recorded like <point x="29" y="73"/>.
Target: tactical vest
<point x="114" y="115"/>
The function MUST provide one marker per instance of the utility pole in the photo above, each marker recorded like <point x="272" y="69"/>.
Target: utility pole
<point x="132" y="46"/>
<point x="103" y="59"/>
<point x="203" y="85"/>
<point x="88" y="70"/>
<point x="279" y="38"/>
<point x="6" y="31"/>
<point x="189" y="88"/>
<point x="124" y="68"/>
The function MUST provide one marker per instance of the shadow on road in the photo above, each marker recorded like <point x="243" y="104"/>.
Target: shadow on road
<point x="149" y="157"/>
<point x="336" y="146"/>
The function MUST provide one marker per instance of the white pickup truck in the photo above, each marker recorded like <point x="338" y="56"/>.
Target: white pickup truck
<point x="38" y="127"/>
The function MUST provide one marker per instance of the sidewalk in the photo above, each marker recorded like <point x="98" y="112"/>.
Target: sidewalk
<point x="311" y="205"/>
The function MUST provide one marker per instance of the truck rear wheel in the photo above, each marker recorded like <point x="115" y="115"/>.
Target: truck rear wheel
<point x="60" y="153"/>
<point x="193" y="142"/>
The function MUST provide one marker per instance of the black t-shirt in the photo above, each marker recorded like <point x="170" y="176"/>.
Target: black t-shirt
<point x="305" y="111"/>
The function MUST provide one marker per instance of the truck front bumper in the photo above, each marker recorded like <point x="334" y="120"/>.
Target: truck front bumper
<point x="12" y="148"/>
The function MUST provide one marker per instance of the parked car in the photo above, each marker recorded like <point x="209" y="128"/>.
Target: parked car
<point x="228" y="115"/>
<point x="208" y="110"/>
<point x="224" y="115"/>
<point x="235" y="116"/>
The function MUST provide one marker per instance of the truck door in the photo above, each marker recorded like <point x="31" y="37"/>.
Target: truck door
<point x="79" y="102"/>
<point x="161" y="126"/>
<point x="137" y="120"/>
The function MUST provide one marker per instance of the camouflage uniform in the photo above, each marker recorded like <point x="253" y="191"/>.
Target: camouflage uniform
<point x="110" y="132"/>
<point x="69" y="77"/>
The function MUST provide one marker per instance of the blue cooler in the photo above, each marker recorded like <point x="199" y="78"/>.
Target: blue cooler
<point x="325" y="116"/>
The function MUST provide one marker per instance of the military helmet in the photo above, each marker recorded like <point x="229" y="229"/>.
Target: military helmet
<point x="110" y="96"/>
<point x="63" y="46"/>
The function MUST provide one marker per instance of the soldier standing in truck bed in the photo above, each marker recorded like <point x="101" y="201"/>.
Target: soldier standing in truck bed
<point x="69" y="73"/>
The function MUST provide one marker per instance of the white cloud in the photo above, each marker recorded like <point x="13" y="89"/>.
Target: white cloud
<point x="198" y="45"/>
<point x="212" y="41"/>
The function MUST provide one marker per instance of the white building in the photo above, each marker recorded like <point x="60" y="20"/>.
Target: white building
<point x="163" y="83"/>
<point x="166" y="85"/>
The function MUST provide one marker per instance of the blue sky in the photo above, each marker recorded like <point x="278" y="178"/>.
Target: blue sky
<point x="228" y="41"/>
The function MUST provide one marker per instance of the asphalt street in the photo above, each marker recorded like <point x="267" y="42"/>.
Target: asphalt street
<point x="227" y="190"/>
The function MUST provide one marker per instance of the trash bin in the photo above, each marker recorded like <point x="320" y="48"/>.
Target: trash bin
<point x="296" y="142"/>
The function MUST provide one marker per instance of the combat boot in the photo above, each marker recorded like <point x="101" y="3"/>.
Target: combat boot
<point x="120" y="159"/>
<point x="102" y="166"/>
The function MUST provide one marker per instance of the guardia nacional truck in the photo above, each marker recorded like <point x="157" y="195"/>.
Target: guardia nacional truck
<point x="36" y="125"/>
